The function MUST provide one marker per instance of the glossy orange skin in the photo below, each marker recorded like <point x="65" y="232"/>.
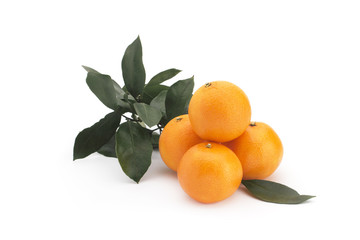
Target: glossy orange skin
<point x="259" y="149"/>
<point x="219" y="111"/>
<point x="209" y="174"/>
<point x="176" y="138"/>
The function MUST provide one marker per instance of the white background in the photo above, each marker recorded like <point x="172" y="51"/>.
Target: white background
<point x="298" y="62"/>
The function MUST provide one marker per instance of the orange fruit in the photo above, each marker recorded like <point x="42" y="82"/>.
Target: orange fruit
<point x="209" y="172"/>
<point x="219" y="111"/>
<point x="176" y="138"/>
<point x="259" y="149"/>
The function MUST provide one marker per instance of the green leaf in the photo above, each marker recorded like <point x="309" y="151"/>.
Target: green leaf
<point x="119" y="91"/>
<point x="133" y="69"/>
<point x="150" y="115"/>
<point x="162" y="77"/>
<point x="133" y="149"/>
<point x="274" y="192"/>
<point x="108" y="149"/>
<point x="93" y="138"/>
<point x="178" y="97"/>
<point x="153" y="88"/>
<point x="155" y="140"/>
<point x="159" y="102"/>
<point x="151" y="92"/>
<point x="106" y="89"/>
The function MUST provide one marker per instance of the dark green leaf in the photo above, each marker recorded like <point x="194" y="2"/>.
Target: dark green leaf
<point x="151" y="92"/>
<point x="93" y="138"/>
<point x="108" y="149"/>
<point x="159" y="102"/>
<point x="150" y="115"/>
<point x="133" y="149"/>
<point x="119" y="91"/>
<point x="178" y="97"/>
<point x="163" y="76"/>
<point x="155" y="140"/>
<point x="274" y="192"/>
<point x="106" y="89"/>
<point x="133" y="68"/>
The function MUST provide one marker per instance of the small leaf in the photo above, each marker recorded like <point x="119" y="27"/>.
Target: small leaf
<point x="133" y="149"/>
<point x="178" y="97"/>
<point x="274" y="192"/>
<point x="108" y="149"/>
<point x="151" y="92"/>
<point x="150" y="115"/>
<point x="159" y="102"/>
<point x="93" y="138"/>
<point x="133" y="70"/>
<point x="163" y="76"/>
<point x="118" y="89"/>
<point x="106" y="89"/>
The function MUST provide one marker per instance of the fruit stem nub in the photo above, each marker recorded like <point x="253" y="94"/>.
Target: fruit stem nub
<point x="178" y="119"/>
<point x="253" y="124"/>
<point x="207" y="84"/>
<point x="208" y="145"/>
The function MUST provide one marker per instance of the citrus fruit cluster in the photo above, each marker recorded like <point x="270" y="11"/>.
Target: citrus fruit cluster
<point x="215" y="145"/>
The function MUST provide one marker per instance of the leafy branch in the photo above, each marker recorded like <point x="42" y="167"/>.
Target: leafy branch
<point x="139" y="111"/>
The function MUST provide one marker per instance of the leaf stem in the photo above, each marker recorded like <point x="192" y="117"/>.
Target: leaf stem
<point x="158" y="128"/>
<point x="130" y="119"/>
<point x="126" y="98"/>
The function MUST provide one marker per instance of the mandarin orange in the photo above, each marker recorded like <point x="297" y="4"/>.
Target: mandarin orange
<point x="219" y="111"/>
<point x="176" y="138"/>
<point x="259" y="149"/>
<point x="209" y="172"/>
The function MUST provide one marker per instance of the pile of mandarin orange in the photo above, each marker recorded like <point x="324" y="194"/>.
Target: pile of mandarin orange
<point x="216" y="145"/>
